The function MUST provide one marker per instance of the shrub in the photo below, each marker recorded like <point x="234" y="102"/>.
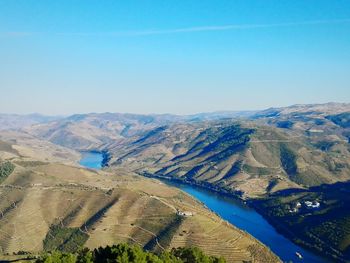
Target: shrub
<point x="124" y="253"/>
<point x="6" y="168"/>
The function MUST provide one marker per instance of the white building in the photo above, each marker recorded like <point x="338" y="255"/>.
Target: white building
<point x="314" y="204"/>
<point x="184" y="213"/>
<point x="308" y="203"/>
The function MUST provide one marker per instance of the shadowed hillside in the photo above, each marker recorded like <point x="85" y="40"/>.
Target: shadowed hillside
<point x="325" y="229"/>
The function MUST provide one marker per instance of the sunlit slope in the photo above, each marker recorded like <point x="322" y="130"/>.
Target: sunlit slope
<point x="14" y="144"/>
<point x="46" y="205"/>
<point x="246" y="154"/>
<point x="91" y="131"/>
<point x="96" y="130"/>
<point x="247" y="158"/>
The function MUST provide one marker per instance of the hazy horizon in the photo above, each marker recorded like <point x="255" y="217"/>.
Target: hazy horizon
<point x="172" y="57"/>
<point x="165" y="113"/>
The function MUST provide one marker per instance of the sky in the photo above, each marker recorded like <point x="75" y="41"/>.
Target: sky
<point x="164" y="56"/>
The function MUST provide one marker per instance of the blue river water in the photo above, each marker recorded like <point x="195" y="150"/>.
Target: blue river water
<point x="235" y="212"/>
<point x="91" y="160"/>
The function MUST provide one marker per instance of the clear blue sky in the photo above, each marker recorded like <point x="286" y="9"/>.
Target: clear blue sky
<point x="185" y="56"/>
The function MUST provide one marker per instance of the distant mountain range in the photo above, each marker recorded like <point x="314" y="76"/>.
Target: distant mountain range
<point x="16" y="121"/>
<point x="247" y="153"/>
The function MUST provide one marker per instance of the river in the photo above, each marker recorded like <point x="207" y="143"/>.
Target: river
<point x="235" y="212"/>
<point x="91" y="160"/>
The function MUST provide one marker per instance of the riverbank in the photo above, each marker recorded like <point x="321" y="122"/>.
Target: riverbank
<point x="204" y="229"/>
<point x="238" y="211"/>
<point x="324" y="229"/>
<point x="205" y="185"/>
<point x="241" y="213"/>
<point x="95" y="159"/>
<point x="283" y="230"/>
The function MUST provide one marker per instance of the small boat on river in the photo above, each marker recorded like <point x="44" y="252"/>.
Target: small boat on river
<point x="298" y="255"/>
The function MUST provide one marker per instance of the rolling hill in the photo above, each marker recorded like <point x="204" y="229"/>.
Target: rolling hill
<point x="253" y="155"/>
<point x="94" y="130"/>
<point x="46" y="205"/>
<point x="245" y="153"/>
<point x="17" y="121"/>
<point x="249" y="157"/>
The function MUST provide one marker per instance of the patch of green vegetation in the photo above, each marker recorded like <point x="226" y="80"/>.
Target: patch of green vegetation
<point x="6" y="168"/>
<point x="124" y="253"/>
<point x="194" y="254"/>
<point x="288" y="159"/>
<point x="325" y="229"/>
<point x="59" y="257"/>
<point x="64" y="239"/>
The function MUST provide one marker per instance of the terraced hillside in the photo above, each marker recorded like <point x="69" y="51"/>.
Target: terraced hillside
<point x="249" y="154"/>
<point x="47" y="205"/>
<point x="264" y="153"/>
<point x="245" y="158"/>
<point x="14" y="144"/>
<point x="90" y="131"/>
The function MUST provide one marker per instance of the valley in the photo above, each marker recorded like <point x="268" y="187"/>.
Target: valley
<point x="268" y="159"/>
<point x="48" y="205"/>
<point x="236" y="213"/>
<point x="175" y="131"/>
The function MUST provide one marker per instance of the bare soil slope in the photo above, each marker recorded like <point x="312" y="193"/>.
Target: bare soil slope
<point x="47" y="205"/>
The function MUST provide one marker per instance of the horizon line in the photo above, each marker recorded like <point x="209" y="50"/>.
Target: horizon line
<point x="174" y="114"/>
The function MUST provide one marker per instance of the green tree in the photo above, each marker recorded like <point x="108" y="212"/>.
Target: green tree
<point x="85" y="256"/>
<point x="124" y="253"/>
<point x="58" y="257"/>
<point x="6" y="168"/>
<point x="194" y="255"/>
<point x="167" y="257"/>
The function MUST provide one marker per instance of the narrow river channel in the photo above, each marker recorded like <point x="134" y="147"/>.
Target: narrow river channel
<point x="235" y="212"/>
